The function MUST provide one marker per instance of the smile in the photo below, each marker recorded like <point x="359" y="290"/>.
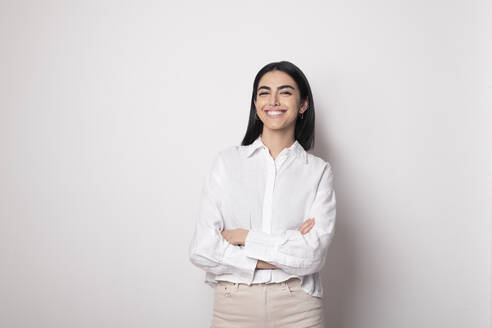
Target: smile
<point x="275" y="113"/>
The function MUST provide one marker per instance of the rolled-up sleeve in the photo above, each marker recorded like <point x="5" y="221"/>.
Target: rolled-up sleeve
<point x="292" y="251"/>
<point x="208" y="250"/>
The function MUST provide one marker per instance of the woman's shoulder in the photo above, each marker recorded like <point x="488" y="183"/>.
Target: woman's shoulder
<point x="317" y="161"/>
<point x="229" y="152"/>
<point x="227" y="156"/>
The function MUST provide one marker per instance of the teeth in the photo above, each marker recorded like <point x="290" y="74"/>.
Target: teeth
<point x="270" y="112"/>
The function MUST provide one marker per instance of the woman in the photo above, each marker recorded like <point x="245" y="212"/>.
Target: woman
<point x="252" y="238"/>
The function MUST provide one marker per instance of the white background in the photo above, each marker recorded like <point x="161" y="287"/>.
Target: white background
<point x="111" y="113"/>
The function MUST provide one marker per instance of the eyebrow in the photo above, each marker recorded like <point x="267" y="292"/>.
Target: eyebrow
<point x="280" y="87"/>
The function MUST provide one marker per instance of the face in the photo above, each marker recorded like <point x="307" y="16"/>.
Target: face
<point x="278" y="101"/>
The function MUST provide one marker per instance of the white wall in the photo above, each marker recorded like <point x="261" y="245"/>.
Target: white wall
<point x="112" y="111"/>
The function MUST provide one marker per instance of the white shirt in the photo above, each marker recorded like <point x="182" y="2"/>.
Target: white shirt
<point x="246" y="188"/>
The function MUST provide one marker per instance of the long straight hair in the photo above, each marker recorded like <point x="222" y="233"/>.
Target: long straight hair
<point x="304" y="130"/>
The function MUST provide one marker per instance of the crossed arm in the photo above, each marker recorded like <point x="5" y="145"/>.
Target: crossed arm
<point x="238" y="237"/>
<point x="298" y="252"/>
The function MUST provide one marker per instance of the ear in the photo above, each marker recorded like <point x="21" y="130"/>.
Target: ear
<point x="305" y="105"/>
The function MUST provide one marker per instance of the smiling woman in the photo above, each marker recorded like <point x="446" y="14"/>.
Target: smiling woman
<point x="267" y="214"/>
<point x="277" y="100"/>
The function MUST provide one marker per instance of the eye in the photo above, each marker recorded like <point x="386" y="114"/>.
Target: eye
<point x="286" y="93"/>
<point x="263" y="93"/>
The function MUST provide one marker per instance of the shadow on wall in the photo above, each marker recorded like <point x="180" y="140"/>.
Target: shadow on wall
<point x="339" y="272"/>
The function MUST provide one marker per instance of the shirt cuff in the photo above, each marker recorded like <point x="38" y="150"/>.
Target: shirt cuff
<point x="261" y="245"/>
<point x="235" y="256"/>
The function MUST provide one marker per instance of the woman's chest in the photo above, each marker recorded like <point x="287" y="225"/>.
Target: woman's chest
<point x="282" y="199"/>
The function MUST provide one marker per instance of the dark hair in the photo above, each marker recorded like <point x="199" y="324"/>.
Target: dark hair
<point x="304" y="130"/>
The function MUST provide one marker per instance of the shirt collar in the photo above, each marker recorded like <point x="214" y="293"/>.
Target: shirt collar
<point x="296" y="148"/>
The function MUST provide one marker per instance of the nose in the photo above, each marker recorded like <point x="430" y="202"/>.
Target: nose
<point x="274" y="99"/>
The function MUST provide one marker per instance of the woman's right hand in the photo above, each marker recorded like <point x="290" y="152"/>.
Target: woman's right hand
<point x="306" y="226"/>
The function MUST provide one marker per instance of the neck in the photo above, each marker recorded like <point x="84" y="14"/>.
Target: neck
<point x="276" y="141"/>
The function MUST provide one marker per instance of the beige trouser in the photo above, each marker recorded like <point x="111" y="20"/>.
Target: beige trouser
<point x="283" y="304"/>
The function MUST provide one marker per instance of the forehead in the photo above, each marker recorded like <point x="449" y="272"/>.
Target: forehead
<point x="275" y="78"/>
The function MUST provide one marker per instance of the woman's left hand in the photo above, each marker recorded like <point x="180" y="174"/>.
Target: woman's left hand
<point x="235" y="236"/>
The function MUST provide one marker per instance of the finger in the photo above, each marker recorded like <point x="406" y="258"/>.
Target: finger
<point x="308" y="227"/>
<point x="305" y="229"/>
<point x="308" y="222"/>
<point x="304" y="226"/>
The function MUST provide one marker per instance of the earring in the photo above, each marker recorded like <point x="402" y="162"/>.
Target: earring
<point x="302" y="114"/>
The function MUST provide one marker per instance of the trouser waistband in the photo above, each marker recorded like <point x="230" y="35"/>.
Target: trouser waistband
<point x="256" y="285"/>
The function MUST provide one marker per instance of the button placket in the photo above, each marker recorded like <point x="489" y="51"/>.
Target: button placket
<point x="268" y="198"/>
<point x="267" y="201"/>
